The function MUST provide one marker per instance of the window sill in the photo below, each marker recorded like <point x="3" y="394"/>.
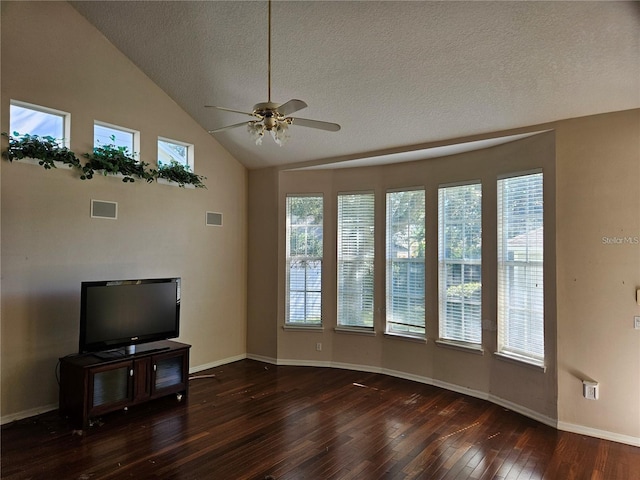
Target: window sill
<point x="410" y="338"/>
<point x="163" y="181"/>
<point x="302" y="328"/>
<point x="356" y="330"/>
<point x="35" y="161"/>
<point x="463" y="346"/>
<point x="522" y="360"/>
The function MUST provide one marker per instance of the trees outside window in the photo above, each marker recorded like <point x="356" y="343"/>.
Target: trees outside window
<point x="405" y="262"/>
<point x="460" y="262"/>
<point x="304" y="260"/>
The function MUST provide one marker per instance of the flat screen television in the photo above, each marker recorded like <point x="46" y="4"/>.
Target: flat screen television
<point x="125" y="313"/>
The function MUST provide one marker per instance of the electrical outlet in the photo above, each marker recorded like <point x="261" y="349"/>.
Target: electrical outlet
<point x="590" y="390"/>
<point x="636" y="323"/>
<point x="319" y="346"/>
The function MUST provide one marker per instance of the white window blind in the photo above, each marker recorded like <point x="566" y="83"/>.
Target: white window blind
<point x="460" y="262"/>
<point x="405" y="280"/>
<point x="304" y="260"/>
<point x="520" y="267"/>
<point x="355" y="259"/>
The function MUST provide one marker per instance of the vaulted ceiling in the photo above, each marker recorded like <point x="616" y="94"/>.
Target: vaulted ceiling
<point x="396" y="75"/>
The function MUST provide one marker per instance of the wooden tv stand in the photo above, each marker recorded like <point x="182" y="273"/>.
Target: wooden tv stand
<point x="94" y="384"/>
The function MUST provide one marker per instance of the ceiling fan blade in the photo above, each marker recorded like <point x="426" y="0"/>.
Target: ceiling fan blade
<point x="291" y="106"/>
<point x="228" y="127"/>
<point x="305" y="122"/>
<point x="229" y="110"/>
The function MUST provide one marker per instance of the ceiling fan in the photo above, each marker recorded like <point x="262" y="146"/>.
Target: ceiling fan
<point x="274" y="117"/>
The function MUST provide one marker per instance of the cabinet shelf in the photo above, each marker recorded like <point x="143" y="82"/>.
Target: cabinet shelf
<point x="96" y="384"/>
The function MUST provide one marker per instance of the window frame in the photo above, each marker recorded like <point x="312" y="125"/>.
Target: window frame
<point x="190" y="151"/>
<point x="65" y="141"/>
<point x="287" y="320"/>
<point x="528" y="357"/>
<point x="135" y="138"/>
<point x="444" y="337"/>
<point x="368" y="259"/>
<point x="389" y="271"/>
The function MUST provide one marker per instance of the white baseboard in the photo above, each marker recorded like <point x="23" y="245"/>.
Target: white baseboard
<point x="217" y="363"/>
<point x="527" y="412"/>
<point x="303" y="363"/>
<point x="603" y="434"/>
<point x="261" y="358"/>
<point x="32" y="412"/>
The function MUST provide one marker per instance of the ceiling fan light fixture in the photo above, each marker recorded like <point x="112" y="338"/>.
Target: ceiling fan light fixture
<point x="273" y="117"/>
<point x="280" y="132"/>
<point x="256" y="130"/>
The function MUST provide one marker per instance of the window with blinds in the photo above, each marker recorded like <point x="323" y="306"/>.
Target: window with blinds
<point x="405" y="262"/>
<point x="460" y="262"/>
<point x="355" y="259"/>
<point x="304" y="260"/>
<point x="520" y="267"/>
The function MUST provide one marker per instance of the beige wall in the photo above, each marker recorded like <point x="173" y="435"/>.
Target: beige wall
<point x="51" y="56"/>
<point x="261" y="282"/>
<point x="592" y="173"/>
<point x="49" y="243"/>
<point x="599" y="196"/>
<point x="484" y="375"/>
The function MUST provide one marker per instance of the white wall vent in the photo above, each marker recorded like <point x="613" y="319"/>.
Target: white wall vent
<point x="214" y="219"/>
<point x="104" y="209"/>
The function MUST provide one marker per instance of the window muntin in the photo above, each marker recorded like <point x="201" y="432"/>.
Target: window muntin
<point x="304" y="260"/>
<point x="460" y="262"/>
<point x="520" y="267"/>
<point x="405" y="262"/>
<point x="105" y="134"/>
<point x="173" y="150"/>
<point x="28" y="119"/>
<point x="355" y="259"/>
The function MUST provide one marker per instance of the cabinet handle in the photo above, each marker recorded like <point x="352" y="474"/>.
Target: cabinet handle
<point x="155" y="367"/>
<point x="131" y="372"/>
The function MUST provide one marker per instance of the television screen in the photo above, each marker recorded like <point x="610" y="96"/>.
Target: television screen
<point x="121" y="313"/>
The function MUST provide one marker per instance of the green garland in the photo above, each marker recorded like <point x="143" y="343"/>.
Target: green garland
<point x="180" y="173"/>
<point x="108" y="159"/>
<point x="44" y="149"/>
<point x="112" y="160"/>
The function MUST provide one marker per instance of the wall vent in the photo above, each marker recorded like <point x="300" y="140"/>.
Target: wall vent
<point x="104" y="209"/>
<point x="214" y="219"/>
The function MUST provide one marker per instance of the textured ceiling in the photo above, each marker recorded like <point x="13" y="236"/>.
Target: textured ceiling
<point x="395" y="75"/>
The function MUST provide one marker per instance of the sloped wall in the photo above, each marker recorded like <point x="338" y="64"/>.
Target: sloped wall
<point x="52" y="56"/>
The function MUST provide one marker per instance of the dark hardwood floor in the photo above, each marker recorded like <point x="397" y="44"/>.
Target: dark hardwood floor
<point x="255" y="421"/>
